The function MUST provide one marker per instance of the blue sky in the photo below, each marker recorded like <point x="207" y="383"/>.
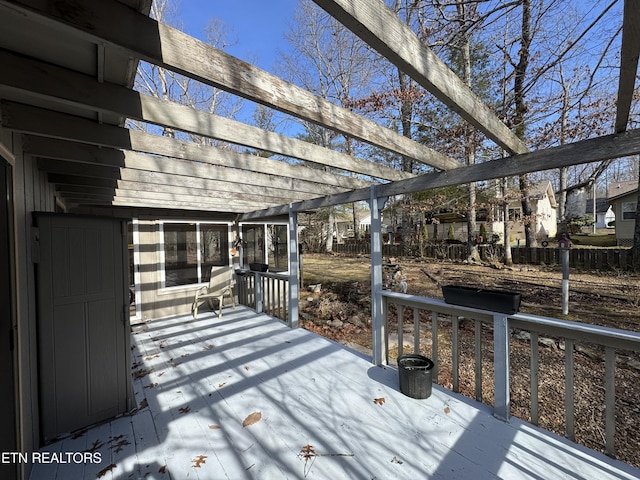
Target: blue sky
<point x="258" y="25"/>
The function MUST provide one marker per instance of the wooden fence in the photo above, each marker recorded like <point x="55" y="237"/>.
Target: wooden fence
<point x="580" y="258"/>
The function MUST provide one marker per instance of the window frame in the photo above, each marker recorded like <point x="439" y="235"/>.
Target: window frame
<point x="266" y="243"/>
<point x="200" y="274"/>
<point x="628" y="215"/>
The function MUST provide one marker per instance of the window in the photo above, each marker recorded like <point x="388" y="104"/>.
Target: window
<point x="278" y="248"/>
<point x="266" y="243"/>
<point x="253" y="251"/>
<point x="629" y="210"/>
<point x="191" y="249"/>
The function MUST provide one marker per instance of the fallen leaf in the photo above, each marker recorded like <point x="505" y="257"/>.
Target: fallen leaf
<point x="95" y="446"/>
<point x="379" y="401"/>
<point x="152" y="357"/>
<point x="142" y="372"/>
<point x="251" y="419"/>
<point x="105" y="470"/>
<point x="151" y="385"/>
<point x="207" y="347"/>
<point x="117" y="448"/>
<point x="79" y="433"/>
<point x="184" y="409"/>
<point x="143" y="404"/>
<point x="246" y="367"/>
<point x="199" y="461"/>
<point x="160" y="374"/>
<point x="396" y="460"/>
<point x="220" y="385"/>
<point x="163" y="469"/>
<point x="447" y="410"/>
<point x="214" y="427"/>
<point x="307" y="452"/>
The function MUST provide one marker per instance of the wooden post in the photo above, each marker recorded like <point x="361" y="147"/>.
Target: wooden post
<point x="502" y="402"/>
<point x="294" y="286"/>
<point x="379" y="332"/>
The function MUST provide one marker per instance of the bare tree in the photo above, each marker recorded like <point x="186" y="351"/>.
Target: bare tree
<point x="168" y="85"/>
<point x="328" y="60"/>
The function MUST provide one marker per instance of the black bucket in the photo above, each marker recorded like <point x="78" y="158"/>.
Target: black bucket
<point x="415" y="373"/>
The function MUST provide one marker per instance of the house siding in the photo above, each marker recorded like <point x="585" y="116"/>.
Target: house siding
<point x="156" y="301"/>
<point x="625" y="227"/>
<point x="31" y="193"/>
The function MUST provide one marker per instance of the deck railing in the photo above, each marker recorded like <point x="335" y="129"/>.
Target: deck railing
<point x="265" y="292"/>
<point x="422" y="311"/>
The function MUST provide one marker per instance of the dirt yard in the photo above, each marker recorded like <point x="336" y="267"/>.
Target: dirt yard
<point x="340" y="309"/>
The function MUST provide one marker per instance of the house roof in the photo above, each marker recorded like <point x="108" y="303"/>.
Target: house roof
<point x="539" y="190"/>
<point x="620" y="189"/>
<point x="66" y="85"/>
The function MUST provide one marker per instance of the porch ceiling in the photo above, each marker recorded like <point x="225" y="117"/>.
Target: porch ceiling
<point x="65" y="83"/>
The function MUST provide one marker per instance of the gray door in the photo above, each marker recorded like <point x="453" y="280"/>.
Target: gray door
<point x="83" y="334"/>
<point x="7" y="386"/>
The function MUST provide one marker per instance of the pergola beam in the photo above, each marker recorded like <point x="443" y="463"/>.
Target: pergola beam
<point x="628" y="62"/>
<point x="167" y="47"/>
<point x="586" y="151"/>
<point x="254" y="194"/>
<point x="378" y="26"/>
<point x="51" y="82"/>
<point x="55" y="125"/>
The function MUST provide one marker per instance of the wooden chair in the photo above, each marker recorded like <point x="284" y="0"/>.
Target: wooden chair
<point x="220" y="285"/>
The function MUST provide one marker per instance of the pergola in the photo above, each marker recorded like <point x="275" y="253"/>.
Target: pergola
<point x="66" y="82"/>
<point x="66" y="85"/>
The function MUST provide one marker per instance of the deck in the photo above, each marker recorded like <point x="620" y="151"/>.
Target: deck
<point x="311" y="408"/>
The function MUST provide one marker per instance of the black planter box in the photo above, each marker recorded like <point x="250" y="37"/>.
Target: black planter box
<point x="259" y="267"/>
<point x="495" y="301"/>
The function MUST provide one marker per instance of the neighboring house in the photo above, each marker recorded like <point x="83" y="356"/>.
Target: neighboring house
<point x="603" y="213"/>
<point x="624" y="198"/>
<point x="544" y="215"/>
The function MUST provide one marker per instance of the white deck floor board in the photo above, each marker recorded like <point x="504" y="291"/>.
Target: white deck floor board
<point x="204" y="378"/>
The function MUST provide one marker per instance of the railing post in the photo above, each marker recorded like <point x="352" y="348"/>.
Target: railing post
<point x="502" y="401"/>
<point x="294" y="279"/>
<point x="379" y="332"/>
<point x="258" y="290"/>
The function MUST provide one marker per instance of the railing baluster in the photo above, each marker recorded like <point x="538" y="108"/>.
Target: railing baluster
<point x="478" y="358"/>
<point x="455" y="353"/>
<point x="400" y="329"/>
<point x="385" y="330"/>
<point x="569" y="409"/>
<point x="259" y="293"/>
<point x="416" y="330"/>
<point x="434" y="344"/>
<point x="535" y="381"/>
<point x="278" y="284"/>
<point x="610" y="400"/>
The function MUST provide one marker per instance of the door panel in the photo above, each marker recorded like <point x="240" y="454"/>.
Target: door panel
<point x="82" y="329"/>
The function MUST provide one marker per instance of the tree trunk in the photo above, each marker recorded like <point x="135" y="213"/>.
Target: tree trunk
<point x="520" y="114"/>
<point x="508" y="259"/>
<point x="330" y="228"/>
<point x="470" y="154"/>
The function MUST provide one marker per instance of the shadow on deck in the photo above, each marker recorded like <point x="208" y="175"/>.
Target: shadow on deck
<point x="311" y="408"/>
